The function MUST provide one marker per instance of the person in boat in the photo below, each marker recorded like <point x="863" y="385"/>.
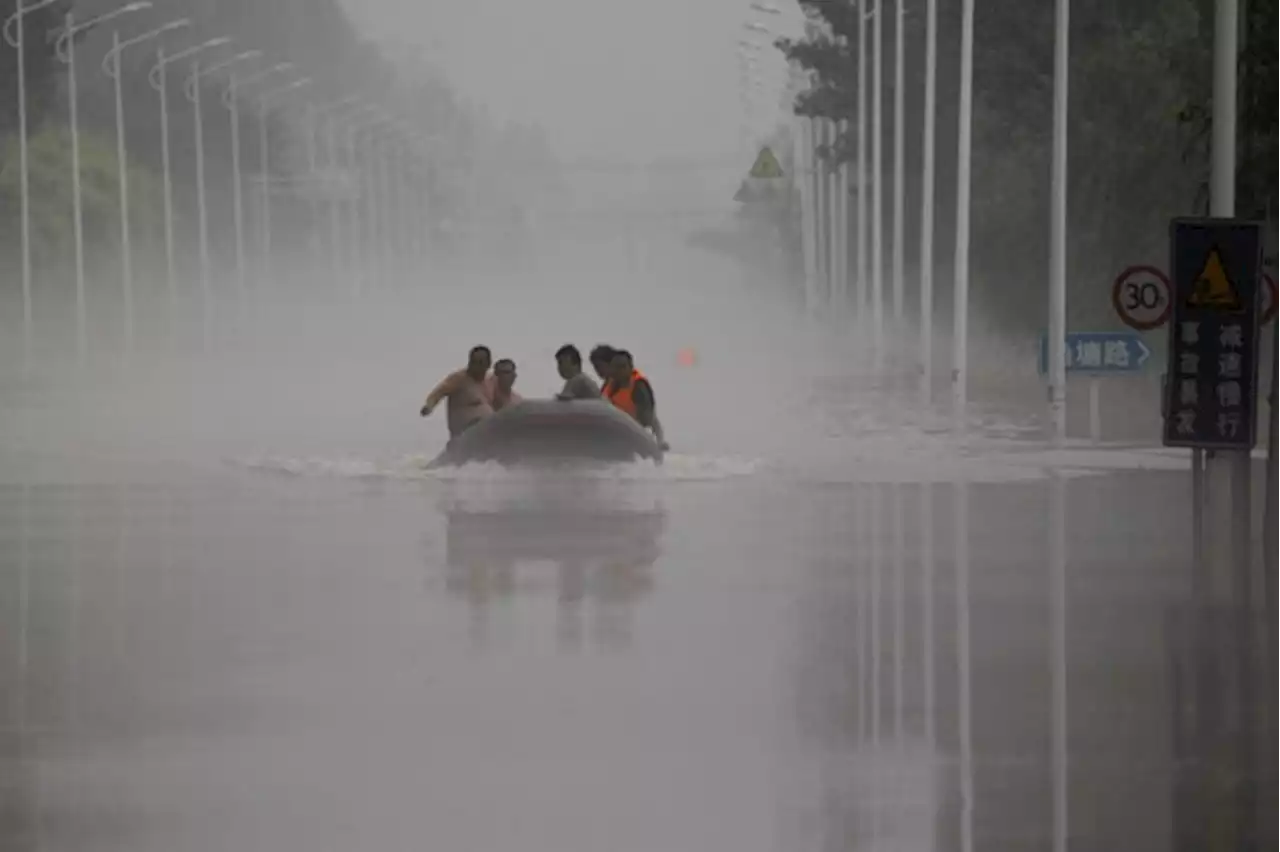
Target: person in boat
<point x="577" y="384"/>
<point x="500" y="385"/>
<point x="466" y="393"/>
<point x="631" y="392"/>
<point x="602" y="363"/>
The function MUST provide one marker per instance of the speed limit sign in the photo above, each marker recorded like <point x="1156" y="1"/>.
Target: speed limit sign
<point x="1140" y="296"/>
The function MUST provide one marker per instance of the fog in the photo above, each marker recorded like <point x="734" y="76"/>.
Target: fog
<point x="239" y="609"/>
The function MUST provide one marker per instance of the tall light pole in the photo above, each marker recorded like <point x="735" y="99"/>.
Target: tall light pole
<point x="193" y="90"/>
<point x="964" y="151"/>
<point x="877" y="193"/>
<point x="863" y="265"/>
<point x="159" y="81"/>
<point x="65" y="48"/>
<point x="926" y="201"/>
<point x="373" y="221"/>
<point x="351" y="120"/>
<point x="231" y="101"/>
<point x="899" y="124"/>
<point x="1058" y="227"/>
<point x="326" y="111"/>
<point x="13" y="34"/>
<point x="111" y="67"/>
<point x="264" y="160"/>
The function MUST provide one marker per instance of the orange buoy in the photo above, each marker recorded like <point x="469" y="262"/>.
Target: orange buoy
<point x="688" y="357"/>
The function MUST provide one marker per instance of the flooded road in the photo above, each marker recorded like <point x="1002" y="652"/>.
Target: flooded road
<point x="241" y="657"/>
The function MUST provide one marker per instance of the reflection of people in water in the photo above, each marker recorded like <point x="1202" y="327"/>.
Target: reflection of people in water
<point x="602" y="557"/>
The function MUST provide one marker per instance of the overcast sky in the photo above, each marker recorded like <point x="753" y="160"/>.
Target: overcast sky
<point x="625" y="79"/>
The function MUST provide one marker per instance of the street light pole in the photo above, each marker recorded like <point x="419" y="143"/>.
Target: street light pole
<point x="193" y="95"/>
<point x="877" y="195"/>
<point x="926" y="203"/>
<point x="899" y="130"/>
<point x="230" y="99"/>
<point x="964" y="150"/>
<point x="111" y="67"/>
<point x="264" y="160"/>
<point x="14" y="35"/>
<point x="863" y="265"/>
<point x="77" y="204"/>
<point x="158" y="78"/>
<point x="1058" y="227"/>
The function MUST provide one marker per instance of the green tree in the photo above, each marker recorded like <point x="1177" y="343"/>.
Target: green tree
<point x="52" y="204"/>
<point x="1137" y="69"/>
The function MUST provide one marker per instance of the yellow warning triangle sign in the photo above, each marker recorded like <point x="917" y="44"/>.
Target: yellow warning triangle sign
<point x="766" y="165"/>
<point x="1213" y="290"/>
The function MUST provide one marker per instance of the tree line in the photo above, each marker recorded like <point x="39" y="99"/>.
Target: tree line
<point x="1139" y="113"/>
<point x="316" y="36"/>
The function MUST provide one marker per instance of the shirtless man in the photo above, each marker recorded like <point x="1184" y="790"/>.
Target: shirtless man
<point x="466" y="392"/>
<point x="500" y="385"/>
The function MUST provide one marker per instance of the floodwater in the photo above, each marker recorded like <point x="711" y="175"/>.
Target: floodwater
<point x="239" y="614"/>
<point x="266" y="655"/>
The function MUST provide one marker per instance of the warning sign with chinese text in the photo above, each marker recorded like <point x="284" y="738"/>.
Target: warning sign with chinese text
<point x="1212" y="378"/>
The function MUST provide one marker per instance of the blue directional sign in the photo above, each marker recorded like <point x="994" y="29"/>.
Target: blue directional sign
<point x="1211" y="396"/>
<point x="1099" y="352"/>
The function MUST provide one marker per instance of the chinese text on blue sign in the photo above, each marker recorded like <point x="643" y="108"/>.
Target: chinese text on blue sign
<point x="1211" y="390"/>
<point x="1099" y="352"/>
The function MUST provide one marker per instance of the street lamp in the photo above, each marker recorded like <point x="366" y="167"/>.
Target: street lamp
<point x="331" y="162"/>
<point x="111" y="67"/>
<point x="336" y="120"/>
<point x="230" y="102"/>
<point x="13" y="34"/>
<point x="65" y="48"/>
<point x="264" y="167"/>
<point x="192" y="91"/>
<point x="926" y="202"/>
<point x="159" y="81"/>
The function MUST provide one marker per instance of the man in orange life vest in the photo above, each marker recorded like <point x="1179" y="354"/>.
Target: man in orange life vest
<point x="630" y="391"/>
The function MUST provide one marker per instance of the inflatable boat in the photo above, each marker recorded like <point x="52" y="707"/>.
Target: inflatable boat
<point x="551" y="431"/>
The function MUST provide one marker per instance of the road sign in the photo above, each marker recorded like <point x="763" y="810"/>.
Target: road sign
<point x="1099" y="352"/>
<point x="766" y="166"/>
<point x="1211" y="394"/>
<point x="1140" y="296"/>
<point x="1268" y="298"/>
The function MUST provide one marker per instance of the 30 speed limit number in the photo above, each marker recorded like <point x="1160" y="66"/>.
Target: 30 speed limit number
<point x="1140" y="296"/>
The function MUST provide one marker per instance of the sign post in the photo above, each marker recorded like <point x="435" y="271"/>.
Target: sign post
<point x="1097" y="354"/>
<point x="1211" y="407"/>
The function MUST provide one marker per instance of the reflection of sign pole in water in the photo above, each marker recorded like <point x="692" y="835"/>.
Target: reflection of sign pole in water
<point x="964" y="700"/>
<point x="926" y="609"/>
<point x="862" y="628"/>
<point x="1058" y="653"/>
<point x="1096" y="354"/>
<point x="899" y="609"/>
<point x="874" y="488"/>
<point x="24" y="616"/>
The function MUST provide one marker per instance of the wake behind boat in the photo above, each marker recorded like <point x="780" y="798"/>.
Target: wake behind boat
<point x="543" y="431"/>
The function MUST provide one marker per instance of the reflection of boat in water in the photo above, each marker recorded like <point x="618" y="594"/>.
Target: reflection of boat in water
<point x="541" y="431"/>
<point x="574" y="551"/>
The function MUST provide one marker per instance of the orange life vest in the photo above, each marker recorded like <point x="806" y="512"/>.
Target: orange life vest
<point x="622" y="397"/>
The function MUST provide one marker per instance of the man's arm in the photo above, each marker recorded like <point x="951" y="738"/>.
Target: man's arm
<point x="642" y="395"/>
<point x="448" y="385"/>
